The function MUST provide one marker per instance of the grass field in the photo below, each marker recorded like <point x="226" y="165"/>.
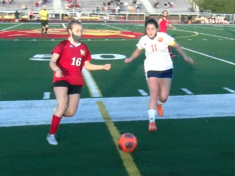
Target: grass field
<point x="184" y="145"/>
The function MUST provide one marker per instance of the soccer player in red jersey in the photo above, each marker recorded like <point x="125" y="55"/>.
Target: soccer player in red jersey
<point x="68" y="59"/>
<point x="163" y="22"/>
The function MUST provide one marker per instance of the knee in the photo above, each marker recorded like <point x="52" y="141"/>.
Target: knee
<point x="163" y="99"/>
<point x="69" y="113"/>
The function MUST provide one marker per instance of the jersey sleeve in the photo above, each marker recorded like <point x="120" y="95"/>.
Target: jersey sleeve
<point x="168" y="39"/>
<point x="58" y="49"/>
<point x="140" y="44"/>
<point x="87" y="55"/>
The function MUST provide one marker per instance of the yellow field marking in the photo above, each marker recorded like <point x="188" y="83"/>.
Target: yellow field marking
<point x="127" y="159"/>
<point x="188" y="35"/>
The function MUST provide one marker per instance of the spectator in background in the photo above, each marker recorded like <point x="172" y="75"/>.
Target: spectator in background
<point x="78" y="15"/>
<point x="17" y="16"/>
<point x="30" y="14"/>
<point x="9" y="1"/>
<point x="36" y="4"/>
<point x="117" y="9"/>
<point x="165" y="5"/>
<point x="3" y="3"/>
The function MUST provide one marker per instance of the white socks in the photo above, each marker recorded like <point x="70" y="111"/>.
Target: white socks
<point x="152" y="114"/>
<point x="159" y="103"/>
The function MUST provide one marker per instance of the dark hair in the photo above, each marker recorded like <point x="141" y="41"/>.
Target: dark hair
<point x="151" y="21"/>
<point x="164" y="11"/>
<point x="71" y="23"/>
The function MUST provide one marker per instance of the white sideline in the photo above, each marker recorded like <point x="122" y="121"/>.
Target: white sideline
<point x="39" y="112"/>
<point x="12" y="27"/>
<point x="216" y="58"/>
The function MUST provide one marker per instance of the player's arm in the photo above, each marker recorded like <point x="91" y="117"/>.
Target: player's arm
<point x="134" y="55"/>
<point x="180" y="50"/>
<point x="90" y="66"/>
<point x="54" y="66"/>
<point x="159" y="21"/>
<point x="172" y="26"/>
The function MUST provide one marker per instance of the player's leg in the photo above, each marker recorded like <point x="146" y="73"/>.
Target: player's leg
<point x="73" y="100"/>
<point x="43" y="26"/>
<point x="164" y="89"/>
<point x="153" y="90"/>
<point x="72" y="105"/>
<point x="61" y="94"/>
<point x="46" y="28"/>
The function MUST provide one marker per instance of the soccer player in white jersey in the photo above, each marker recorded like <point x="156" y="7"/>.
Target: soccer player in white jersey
<point x="158" y="67"/>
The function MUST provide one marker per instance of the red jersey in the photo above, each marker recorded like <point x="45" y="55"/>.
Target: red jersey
<point x="163" y="25"/>
<point x="71" y="61"/>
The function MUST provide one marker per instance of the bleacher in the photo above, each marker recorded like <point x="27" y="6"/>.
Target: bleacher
<point x="178" y="5"/>
<point x="29" y="4"/>
<point x="98" y="6"/>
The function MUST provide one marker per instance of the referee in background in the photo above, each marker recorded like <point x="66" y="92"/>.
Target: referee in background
<point x="44" y="20"/>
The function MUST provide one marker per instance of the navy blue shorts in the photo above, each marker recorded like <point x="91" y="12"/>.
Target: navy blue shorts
<point x="160" y="74"/>
<point x="72" y="89"/>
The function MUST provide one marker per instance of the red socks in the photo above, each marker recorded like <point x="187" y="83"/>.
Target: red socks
<point x="54" y="124"/>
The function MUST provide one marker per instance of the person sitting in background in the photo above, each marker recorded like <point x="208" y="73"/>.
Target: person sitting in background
<point x="36" y="4"/>
<point x="165" y="5"/>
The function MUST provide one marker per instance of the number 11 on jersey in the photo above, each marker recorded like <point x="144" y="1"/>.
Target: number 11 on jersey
<point x="154" y="47"/>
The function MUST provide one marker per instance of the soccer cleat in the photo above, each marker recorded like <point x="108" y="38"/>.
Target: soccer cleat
<point x="152" y="127"/>
<point x="159" y="110"/>
<point x="172" y="55"/>
<point x="51" y="139"/>
<point x="45" y="34"/>
<point x="42" y="34"/>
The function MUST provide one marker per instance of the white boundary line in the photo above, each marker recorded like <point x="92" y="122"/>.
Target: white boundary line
<point x="12" y="27"/>
<point x="114" y="27"/>
<point x="63" y="25"/>
<point x="187" y="91"/>
<point x="142" y="92"/>
<point x="207" y="34"/>
<point x="91" y="84"/>
<point x="46" y="95"/>
<point x="229" y="90"/>
<point x="216" y="58"/>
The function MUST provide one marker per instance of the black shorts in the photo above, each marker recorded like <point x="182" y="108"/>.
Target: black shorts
<point x="160" y="74"/>
<point x="72" y="89"/>
<point x="44" y="22"/>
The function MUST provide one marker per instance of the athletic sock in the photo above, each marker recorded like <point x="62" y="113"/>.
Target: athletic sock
<point x="159" y="102"/>
<point x="152" y="114"/>
<point x="42" y="30"/>
<point x="54" y="124"/>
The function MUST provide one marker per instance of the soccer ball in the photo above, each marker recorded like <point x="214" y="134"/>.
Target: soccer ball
<point x="127" y="142"/>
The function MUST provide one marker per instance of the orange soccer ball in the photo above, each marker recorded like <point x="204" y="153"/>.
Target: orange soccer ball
<point x="127" y="142"/>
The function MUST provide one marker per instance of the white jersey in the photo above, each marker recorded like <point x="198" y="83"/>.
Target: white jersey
<point x="156" y="52"/>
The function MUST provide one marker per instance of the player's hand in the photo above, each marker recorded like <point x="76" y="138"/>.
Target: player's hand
<point x="107" y="66"/>
<point x="127" y="60"/>
<point x="59" y="74"/>
<point x="189" y="60"/>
